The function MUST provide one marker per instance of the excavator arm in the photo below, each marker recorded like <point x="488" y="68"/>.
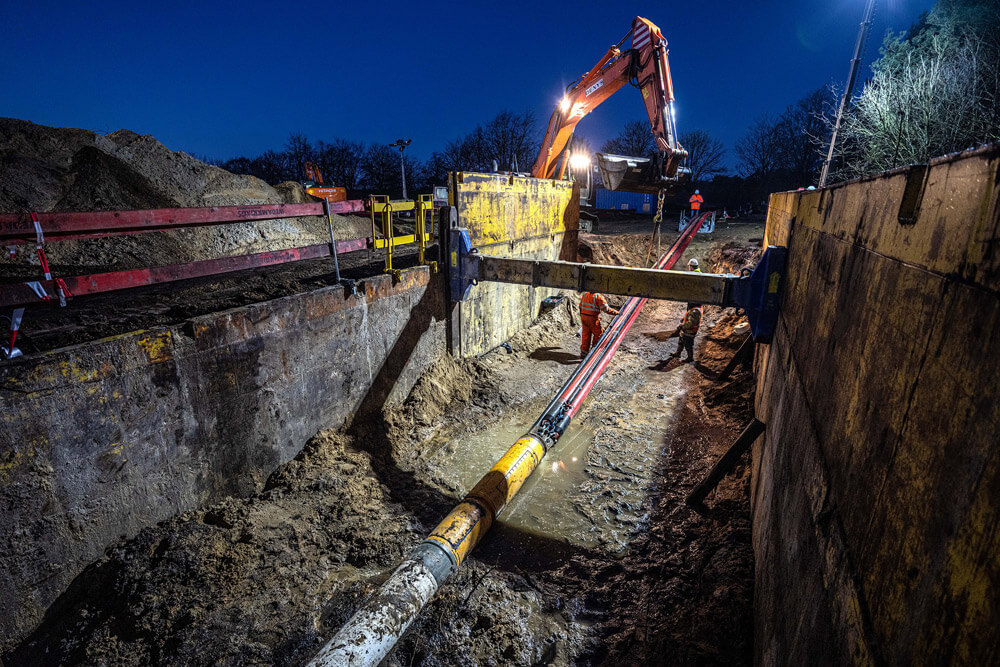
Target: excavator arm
<point x="645" y="66"/>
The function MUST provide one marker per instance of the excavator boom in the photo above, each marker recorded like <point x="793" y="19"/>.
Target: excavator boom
<point x="645" y="66"/>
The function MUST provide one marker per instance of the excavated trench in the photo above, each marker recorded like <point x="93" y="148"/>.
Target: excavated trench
<point x="597" y="561"/>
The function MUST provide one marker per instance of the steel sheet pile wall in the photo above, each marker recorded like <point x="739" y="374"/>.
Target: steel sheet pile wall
<point x="876" y="491"/>
<point x="102" y="439"/>
<point x="510" y="216"/>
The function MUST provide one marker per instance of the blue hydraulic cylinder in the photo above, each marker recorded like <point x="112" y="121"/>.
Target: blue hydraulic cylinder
<point x="759" y="292"/>
<point x="463" y="264"/>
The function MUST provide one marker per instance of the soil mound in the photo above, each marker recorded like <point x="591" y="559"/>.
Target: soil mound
<point x="733" y="256"/>
<point x="63" y="169"/>
<point x="617" y="250"/>
<point x="245" y="581"/>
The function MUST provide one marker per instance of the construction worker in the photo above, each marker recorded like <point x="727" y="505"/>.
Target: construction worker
<point x="591" y="306"/>
<point x="696" y="201"/>
<point x="687" y="331"/>
<point x="693" y="265"/>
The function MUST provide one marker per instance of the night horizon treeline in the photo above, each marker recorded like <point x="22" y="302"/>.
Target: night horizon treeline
<point x="508" y="142"/>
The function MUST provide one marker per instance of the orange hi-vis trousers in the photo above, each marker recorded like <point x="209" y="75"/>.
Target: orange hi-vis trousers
<point x="591" y="332"/>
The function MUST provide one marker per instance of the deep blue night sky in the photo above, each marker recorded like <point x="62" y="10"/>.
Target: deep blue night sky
<point x="221" y="79"/>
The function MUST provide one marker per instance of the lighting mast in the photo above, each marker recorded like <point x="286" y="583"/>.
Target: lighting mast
<point x="866" y="23"/>
<point x="402" y="144"/>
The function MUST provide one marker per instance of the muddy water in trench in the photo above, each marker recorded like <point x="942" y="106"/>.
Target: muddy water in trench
<point x="591" y="488"/>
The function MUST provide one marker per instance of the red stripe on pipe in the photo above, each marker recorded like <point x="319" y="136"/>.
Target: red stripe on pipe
<point x="666" y="262"/>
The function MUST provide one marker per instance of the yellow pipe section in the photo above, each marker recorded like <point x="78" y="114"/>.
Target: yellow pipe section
<point x="461" y="530"/>
<point x="373" y="630"/>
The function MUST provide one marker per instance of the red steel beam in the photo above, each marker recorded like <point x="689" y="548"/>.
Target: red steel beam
<point x="17" y="228"/>
<point x="20" y="294"/>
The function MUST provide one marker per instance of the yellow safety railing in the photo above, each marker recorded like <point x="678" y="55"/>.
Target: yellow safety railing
<point x="382" y="209"/>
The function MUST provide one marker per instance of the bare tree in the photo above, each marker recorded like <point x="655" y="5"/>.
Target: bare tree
<point x="380" y="170"/>
<point x="759" y="150"/>
<point x="935" y="91"/>
<point x="705" y="155"/>
<point x="802" y="134"/>
<point x="297" y="152"/>
<point x="510" y="140"/>
<point x="635" y="140"/>
<point x="340" y="162"/>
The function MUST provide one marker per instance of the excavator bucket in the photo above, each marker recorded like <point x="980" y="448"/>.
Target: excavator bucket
<point x="636" y="174"/>
<point x="630" y="174"/>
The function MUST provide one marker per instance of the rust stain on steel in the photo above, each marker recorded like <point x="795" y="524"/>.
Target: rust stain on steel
<point x="515" y="216"/>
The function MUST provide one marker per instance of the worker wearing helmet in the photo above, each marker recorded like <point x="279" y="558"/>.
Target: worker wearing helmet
<point x="696" y="201"/>
<point x="592" y="305"/>
<point x="693" y="265"/>
<point x="687" y="331"/>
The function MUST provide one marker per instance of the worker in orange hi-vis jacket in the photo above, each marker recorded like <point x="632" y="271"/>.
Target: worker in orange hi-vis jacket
<point x="591" y="306"/>
<point x="696" y="200"/>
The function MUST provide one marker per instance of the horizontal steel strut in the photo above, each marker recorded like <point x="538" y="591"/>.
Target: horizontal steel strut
<point x="654" y="283"/>
<point x="757" y="291"/>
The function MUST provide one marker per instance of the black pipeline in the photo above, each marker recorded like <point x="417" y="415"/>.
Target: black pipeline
<point x="374" y="629"/>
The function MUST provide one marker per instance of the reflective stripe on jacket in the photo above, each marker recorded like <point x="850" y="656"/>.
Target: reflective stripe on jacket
<point x="592" y="304"/>
<point x="692" y="320"/>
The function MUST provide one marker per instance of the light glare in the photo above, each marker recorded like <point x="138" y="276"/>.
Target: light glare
<point x="579" y="161"/>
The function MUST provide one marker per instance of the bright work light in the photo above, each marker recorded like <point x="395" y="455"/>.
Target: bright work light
<point x="579" y="161"/>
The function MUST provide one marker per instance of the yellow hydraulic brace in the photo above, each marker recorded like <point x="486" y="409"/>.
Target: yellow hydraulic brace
<point x="425" y="205"/>
<point x="382" y="208"/>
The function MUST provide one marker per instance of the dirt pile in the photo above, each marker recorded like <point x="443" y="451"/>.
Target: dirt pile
<point x="617" y="250"/>
<point x="733" y="256"/>
<point x="64" y="169"/>
<point x="245" y="582"/>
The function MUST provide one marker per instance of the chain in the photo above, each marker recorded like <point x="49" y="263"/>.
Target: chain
<point x="657" y="219"/>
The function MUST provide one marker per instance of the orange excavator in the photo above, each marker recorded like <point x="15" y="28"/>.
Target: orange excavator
<point x="645" y="66"/>
<point x="314" y="184"/>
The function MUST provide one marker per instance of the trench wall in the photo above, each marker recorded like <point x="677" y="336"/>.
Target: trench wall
<point x="509" y="216"/>
<point x="102" y="439"/>
<point x="876" y="488"/>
